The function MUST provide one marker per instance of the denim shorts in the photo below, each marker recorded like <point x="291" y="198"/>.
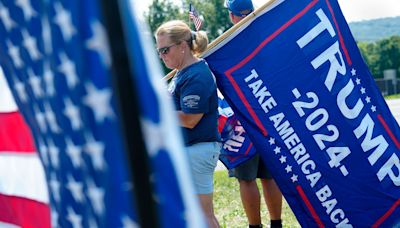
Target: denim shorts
<point x="203" y="158"/>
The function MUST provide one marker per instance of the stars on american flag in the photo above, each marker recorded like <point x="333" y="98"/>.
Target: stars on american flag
<point x="96" y="196"/>
<point x="20" y="89"/>
<point x="30" y="45"/>
<point x="194" y="16"/>
<point x="72" y="112"/>
<point x="95" y="150"/>
<point x="55" y="187"/>
<point x="99" y="100"/>
<point x="51" y="118"/>
<point x="43" y="152"/>
<point x="156" y="132"/>
<point x="54" y="153"/>
<point x="64" y="21"/>
<point x="54" y="217"/>
<point x="26" y="8"/>
<point x="35" y="83"/>
<point x="6" y="19"/>
<point x="13" y="52"/>
<point x="76" y="189"/>
<point x="74" y="152"/>
<point x="40" y="118"/>
<point x="98" y="42"/>
<point x="48" y="78"/>
<point x="74" y="218"/>
<point x="68" y="69"/>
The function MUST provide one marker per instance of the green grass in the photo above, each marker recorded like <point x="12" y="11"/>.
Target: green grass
<point x="393" y="96"/>
<point x="228" y="207"/>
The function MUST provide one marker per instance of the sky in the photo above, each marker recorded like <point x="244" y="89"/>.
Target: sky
<point x="353" y="10"/>
<point x="358" y="10"/>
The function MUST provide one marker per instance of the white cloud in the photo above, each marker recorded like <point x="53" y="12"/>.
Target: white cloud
<point x="357" y="10"/>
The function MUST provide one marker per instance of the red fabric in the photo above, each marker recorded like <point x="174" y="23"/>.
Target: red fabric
<point x="24" y="212"/>
<point x="15" y="137"/>
<point x="221" y="122"/>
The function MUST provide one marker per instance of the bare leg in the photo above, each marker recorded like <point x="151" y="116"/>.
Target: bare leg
<point x="273" y="198"/>
<point x="206" y="202"/>
<point x="250" y="200"/>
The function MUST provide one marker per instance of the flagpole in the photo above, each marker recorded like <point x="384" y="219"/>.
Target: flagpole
<point x="128" y="106"/>
<point x="219" y="39"/>
<point x="190" y="5"/>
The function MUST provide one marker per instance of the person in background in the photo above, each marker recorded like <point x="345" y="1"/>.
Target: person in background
<point x="194" y="92"/>
<point x="247" y="172"/>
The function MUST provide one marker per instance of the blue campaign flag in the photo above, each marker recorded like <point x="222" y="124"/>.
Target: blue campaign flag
<point x="236" y="145"/>
<point x="57" y="59"/>
<point x="299" y="86"/>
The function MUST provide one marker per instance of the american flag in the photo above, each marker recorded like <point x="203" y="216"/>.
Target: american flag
<point x="24" y="197"/>
<point x="194" y="16"/>
<point x="56" y="58"/>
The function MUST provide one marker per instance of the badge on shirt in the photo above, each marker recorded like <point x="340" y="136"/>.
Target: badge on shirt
<point x="191" y="101"/>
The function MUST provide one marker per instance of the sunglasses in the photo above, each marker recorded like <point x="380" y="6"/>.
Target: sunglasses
<point x="165" y="50"/>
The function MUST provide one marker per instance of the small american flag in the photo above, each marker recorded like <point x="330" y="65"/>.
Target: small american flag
<point x="194" y="16"/>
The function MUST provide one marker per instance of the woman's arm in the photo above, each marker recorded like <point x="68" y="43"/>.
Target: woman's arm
<point x="189" y="120"/>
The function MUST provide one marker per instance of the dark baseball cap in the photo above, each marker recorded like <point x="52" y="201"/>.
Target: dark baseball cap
<point x="240" y="7"/>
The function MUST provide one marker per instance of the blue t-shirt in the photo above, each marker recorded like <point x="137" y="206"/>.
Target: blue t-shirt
<point x="194" y="91"/>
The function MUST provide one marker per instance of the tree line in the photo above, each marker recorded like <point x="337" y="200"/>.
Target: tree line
<point x="379" y="56"/>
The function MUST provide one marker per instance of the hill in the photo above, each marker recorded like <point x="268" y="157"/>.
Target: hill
<point x="377" y="29"/>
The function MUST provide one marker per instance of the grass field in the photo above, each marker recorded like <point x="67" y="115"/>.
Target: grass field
<point x="229" y="210"/>
<point x="394" y="96"/>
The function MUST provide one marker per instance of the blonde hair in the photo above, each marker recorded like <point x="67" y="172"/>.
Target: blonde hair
<point x="179" y="31"/>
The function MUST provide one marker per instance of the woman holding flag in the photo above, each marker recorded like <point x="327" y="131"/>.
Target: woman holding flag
<point x="195" y="95"/>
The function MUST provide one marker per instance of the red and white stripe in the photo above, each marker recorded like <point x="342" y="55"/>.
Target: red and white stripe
<point x="24" y="198"/>
<point x="197" y="22"/>
<point x="193" y="15"/>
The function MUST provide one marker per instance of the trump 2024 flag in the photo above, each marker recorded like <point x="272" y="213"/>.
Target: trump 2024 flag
<point x="236" y="145"/>
<point x="59" y="65"/>
<point x="295" y="78"/>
